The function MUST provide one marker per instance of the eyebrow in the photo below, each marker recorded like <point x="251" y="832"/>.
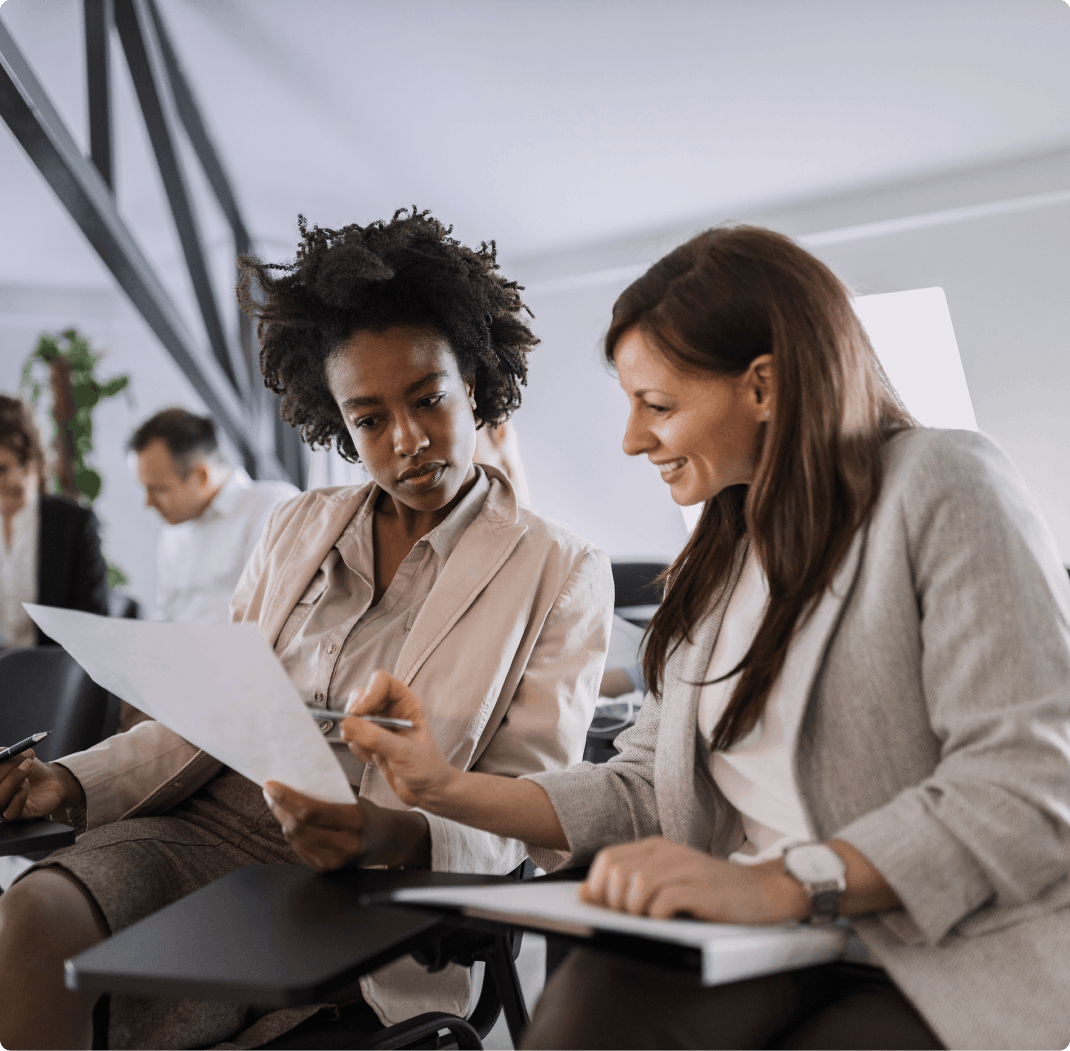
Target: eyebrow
<point x="412" y="388"/>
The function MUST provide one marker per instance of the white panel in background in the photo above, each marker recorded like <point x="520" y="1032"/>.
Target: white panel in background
<point x="915" y="341"/>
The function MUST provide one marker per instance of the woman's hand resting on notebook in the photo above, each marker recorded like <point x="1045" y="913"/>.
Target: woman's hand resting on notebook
<point x="655" y="877"/>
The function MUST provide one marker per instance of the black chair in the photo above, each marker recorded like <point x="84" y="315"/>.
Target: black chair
<point x="44" y="688"/>
<point x="636" y="591"/>
<point x="500" y="990"/>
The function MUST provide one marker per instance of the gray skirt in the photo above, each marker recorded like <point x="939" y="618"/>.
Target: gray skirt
<point x="135" y="867"/>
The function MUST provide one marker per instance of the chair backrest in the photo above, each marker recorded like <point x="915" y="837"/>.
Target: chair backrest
<point x="633" y="583"/>
<point x="44" y="688"/>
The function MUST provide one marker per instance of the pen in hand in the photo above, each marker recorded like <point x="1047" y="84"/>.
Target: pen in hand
<point x="379" y="720"/>
<point x="15" y="749"/>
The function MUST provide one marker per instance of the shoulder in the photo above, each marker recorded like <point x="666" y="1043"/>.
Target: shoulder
<point x="57" y="511"/>
<point x="295" y="509"/>
<point x="556" y="536"/>
<point x="927" y="469"/>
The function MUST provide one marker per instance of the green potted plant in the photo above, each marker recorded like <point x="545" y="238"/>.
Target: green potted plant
<point x="66" y="364"/>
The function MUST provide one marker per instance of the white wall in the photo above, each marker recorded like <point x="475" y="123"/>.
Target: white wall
<point x="1005" y="268"/>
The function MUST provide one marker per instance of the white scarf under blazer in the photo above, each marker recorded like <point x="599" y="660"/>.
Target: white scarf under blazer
<point x="935" y="675"/>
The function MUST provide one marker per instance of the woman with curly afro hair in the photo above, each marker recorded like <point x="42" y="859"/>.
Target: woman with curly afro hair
<point x="395" y="343"/>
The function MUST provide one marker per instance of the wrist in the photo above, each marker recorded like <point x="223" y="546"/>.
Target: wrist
<point x="446" y="794"/>
<point x="786" y="896"/>
<point x="71" y="791"/>
<point x="395" y="838"/>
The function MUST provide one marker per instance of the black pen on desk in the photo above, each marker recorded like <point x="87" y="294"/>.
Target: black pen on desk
<point x="379" y="720"/>
<point x="10" y="753"/>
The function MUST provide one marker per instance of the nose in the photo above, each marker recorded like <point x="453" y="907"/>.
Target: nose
<point x="637" y="437"/>
<point x="409" y="437"/>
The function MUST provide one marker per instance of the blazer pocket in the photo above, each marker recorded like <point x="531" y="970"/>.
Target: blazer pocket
<point x="300" y="613"/>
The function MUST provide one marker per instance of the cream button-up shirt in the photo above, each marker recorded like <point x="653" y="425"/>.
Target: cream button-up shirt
<point x="199" y="562"/>
<point x="335" y="638"/>
<point x="18" y="576"/>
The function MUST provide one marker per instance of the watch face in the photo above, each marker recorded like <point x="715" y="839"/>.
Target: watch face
<point x="815" y="863"/>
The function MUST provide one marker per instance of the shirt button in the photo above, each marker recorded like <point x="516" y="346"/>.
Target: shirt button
<point x="318" y="695"/>
<point x="331" y="648"/>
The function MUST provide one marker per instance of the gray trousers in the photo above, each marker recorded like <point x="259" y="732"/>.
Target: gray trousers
<point x="595" y="1001"/>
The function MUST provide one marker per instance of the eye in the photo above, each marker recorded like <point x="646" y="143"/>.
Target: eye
<point x="431" y="400"/>
<point x="365" y="422"/>
<point x="658" y="409"/>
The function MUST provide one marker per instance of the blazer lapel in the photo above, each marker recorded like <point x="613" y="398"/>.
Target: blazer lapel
<point x="806" y="653"/>
<point x="478" y="556"/>
<point x="304" y="553"/>
<point x="684" y="818"/>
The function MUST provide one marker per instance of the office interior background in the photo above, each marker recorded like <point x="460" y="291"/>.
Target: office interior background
<point x="910" y="144"/>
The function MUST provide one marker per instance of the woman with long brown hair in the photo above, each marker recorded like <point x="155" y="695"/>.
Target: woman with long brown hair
<point x="860" y="694"/>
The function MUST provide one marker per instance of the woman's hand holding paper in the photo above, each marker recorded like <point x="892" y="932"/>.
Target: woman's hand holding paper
<point x="328" y="836"/>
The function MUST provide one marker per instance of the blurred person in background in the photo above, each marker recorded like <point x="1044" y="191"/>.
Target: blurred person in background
<point x="214" y="514"/>
<point x="49" y="547"/>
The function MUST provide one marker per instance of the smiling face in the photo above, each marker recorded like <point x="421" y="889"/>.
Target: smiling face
<point x="702" y="431"/>
<point x="409" y="412"/>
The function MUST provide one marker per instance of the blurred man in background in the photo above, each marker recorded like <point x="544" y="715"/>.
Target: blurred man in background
<point x="215" y="514"/>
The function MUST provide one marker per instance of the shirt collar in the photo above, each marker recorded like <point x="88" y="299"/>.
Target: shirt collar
<point x="226" y="500"/>
<point x="447" y="534"/>
<point x="355" y="545"/>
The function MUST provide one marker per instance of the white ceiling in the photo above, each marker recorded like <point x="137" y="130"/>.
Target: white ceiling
<point x="548" y="123"/>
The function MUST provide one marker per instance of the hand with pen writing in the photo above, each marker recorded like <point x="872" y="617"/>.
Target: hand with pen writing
<point x="410" y="760"/>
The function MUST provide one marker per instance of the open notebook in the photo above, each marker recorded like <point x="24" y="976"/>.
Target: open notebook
<point x="726" y="952"/>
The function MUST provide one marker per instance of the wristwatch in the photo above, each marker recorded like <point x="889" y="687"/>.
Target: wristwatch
<point x="823" y="875"/>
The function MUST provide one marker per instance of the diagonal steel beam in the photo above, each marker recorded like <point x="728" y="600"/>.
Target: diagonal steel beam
<point x="33" y="120"/>
<point x="147" y="70"/>
<point x="99" y="18"/>
<point x="201" y="141"/>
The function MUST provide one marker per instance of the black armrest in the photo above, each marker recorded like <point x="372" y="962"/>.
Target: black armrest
<point x="29" y="837"/>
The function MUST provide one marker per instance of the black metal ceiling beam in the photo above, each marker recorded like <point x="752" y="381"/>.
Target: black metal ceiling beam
<point x="99" y="18"/>
<point x="190" y="115"/>
<point x="148" y="72"/>
<point x="33" y="120"/>
<point x="201" y="141"/>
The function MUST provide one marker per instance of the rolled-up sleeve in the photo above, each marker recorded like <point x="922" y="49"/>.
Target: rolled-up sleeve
<point x="991" y="824"/>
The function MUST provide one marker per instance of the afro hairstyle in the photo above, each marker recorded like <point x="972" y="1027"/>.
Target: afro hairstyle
<point x="407" y="271"/>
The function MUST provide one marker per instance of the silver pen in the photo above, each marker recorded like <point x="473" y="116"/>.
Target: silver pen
<point x="15" y="749"/>
<point x="379" y="720"/>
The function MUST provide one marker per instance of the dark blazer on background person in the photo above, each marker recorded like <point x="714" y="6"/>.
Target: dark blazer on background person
<point x="71" y="571"/>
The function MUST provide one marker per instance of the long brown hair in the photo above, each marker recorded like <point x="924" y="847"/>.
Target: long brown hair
<point x="713" y="305"/>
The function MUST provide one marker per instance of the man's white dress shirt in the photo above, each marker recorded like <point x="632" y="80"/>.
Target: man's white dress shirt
<point x="198" y="562"/>
<point x="18" y="576"/>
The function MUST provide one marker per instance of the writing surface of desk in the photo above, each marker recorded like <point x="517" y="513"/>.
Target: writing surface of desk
<point x="271" y="935"/>
<point x="28" y="837"/>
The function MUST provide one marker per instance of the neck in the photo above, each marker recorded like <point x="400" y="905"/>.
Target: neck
<point x="414" y="523"/>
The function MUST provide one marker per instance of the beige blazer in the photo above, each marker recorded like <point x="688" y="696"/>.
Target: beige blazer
<point x="935" y="674"/>
<point x="506" y="655"/>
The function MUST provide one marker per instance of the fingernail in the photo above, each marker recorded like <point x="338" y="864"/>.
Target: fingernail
<point x="26" y="764"/>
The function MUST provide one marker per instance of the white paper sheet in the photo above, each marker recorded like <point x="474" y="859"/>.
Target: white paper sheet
<point x="730" y="952"/>
<point x="217" y="685"/>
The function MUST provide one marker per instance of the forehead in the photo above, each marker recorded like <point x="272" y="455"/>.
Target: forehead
<point x="642" y="366"/>
<point x="381" y="362"/>
<point x="154" y="461"/>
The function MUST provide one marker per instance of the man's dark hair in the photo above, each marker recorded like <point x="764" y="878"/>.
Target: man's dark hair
<point x="407" y="271"/>
<point x="189" y="438"/>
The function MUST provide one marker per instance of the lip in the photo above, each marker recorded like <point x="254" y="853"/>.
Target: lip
<point x="421" y="470"/>
<point x="669" y="474"/>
